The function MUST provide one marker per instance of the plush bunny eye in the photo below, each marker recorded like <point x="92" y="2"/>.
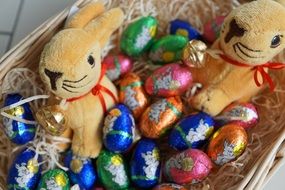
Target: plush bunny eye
<point x="275" y="42"/>
<point x="91" y="60"/>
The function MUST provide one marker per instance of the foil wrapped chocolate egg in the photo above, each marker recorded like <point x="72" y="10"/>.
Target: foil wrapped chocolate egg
<point x="139" y="36"/>
<point x="243" y="114"/>
<point x="80" y="170"/>
<point x="145" y="164"/>
<point x="54" y="179"/>
<point x="18" y="132"/>
<point x="183" y="28"/>
<point x="119" y="129"/>
<point x="160" y="116"/>
<point x="169" y="186"/>
<point x="167" y="49"/>
<point x="169" y="80"/>
<point x="132" y="94"/>
<point x="25" y="171"/>
<point x="228" y="143"/>
<point x="192" y="131"/>
<point x="117" y="66"/>
<point x="189" y="166"/>
<point x="212" y="29"/>
<point x="112" y="171"/>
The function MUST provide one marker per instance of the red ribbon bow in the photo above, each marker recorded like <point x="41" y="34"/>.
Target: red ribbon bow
<point x="259" y="69"/>
<point x="97" y="91"/>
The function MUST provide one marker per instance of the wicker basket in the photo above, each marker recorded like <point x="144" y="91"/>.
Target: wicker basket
<point x="266" y="150"/>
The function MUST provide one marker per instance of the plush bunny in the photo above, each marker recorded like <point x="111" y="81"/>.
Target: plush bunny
<point x="251" y="36"/>
<point x="70" y="67"/>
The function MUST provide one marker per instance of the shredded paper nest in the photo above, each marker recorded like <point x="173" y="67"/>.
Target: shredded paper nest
<point x="21" y="76"/>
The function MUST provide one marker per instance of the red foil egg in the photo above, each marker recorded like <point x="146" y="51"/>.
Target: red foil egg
<point x="132" y="94"/>
<point x="117" y="66"/>
<point x="189" y="166"/>
<point x="212" y="29"/>
<point x="160" y="116"/>
<point x="227" y="144"/>
<point x="169" y="80"/>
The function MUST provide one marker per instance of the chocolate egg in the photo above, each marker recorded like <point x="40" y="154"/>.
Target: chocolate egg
<point x="25" y="171"/>
<point x="169" y="80"/>
<point x="243" y="114"/>
<point x="192" y="131"/>
<point x="117" y="66"/>
<point x="54" y="179"/>
<point x="80" y="170"/>
<point x="112" y="170"/>
<point x="118" y="130"/>
<point x="139" y="36"/>
<point x="212" y="29"/>
<point x="18" y="132"/>
<point x="160" y="116"/>
<point x="167" y="49"/>
<point x="132" y="94"/>
<point x="169" y="186"/>
<point x="189" y="166"/>
<point x="184" y="28"/>
<point x="228" y="143"/>
<point x="145" y="164"/>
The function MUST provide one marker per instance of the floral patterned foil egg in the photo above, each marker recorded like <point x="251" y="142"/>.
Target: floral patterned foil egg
<point x="54" y="180"/>
<point x="112" y="171"/>
<point x="119" y="129"/>
<point x="212" y="29"/>
<point x="192" y="131"/>
<point x="169" y="186"/>
<point x="189" y="166"/>
<point x="167" y="49"/>
<point x="145" y="164"/>
<point x="81" y="170"/>
<point x="25" y="171"/>
<point x="139" y="36"/>
<point x="18" y="132"/>
<point x="228" y="143"/>
<point x="160" y="116"/>
<point x="243" y="114"/>
<point x="132" y="94"/>
<point x="117" y="66"/>
<point x="169" y="80"/>
<point x="185" y="29"/>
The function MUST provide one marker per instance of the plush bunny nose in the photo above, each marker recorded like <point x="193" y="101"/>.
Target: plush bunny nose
<point x="53" y="77"/>
<point x="234" y="30"/>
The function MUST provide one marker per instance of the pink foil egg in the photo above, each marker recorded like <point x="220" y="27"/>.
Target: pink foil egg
<point x="117" y="65"/>
<point x="170" y="80"/>
<point x="189" y="166"/>
<point x="212" y="29"/>
<point x="243" y="114"/>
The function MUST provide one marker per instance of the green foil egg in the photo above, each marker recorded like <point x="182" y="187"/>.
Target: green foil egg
<point x="167" y="49"/>
<point x="54" y="179"/>
<point x="112" y="171"/>
<point x="139" y="36"/>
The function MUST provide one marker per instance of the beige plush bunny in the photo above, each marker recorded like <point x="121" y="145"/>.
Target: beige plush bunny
<point x="70" y="67"/>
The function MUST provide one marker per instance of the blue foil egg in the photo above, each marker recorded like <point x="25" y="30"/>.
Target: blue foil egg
<point x="25" y="171"/>
<point x="192" y="131"/>
<point x="18" y="132"/>
<point x="180" y="27"/>
<point x="145" y="164"/>
<point x="81" y="171"/>
<point x="119" y="129"/>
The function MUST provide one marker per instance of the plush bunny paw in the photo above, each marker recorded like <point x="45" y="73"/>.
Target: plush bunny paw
<point x="86" y="151"/>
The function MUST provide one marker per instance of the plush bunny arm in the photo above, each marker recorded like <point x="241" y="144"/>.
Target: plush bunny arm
<point x="85" y="15"/>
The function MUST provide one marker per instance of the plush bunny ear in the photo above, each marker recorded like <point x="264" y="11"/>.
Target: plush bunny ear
<point x="85" y="15"/>
<point x="103" y="26"/>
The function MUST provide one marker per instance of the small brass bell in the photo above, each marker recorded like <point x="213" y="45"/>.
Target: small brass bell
<point x="52" y="120"/>
<point x="194" y="53"/>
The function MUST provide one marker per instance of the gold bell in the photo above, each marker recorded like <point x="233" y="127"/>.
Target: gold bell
<point x="193" y="54"/>
<point x="52" y="120"/>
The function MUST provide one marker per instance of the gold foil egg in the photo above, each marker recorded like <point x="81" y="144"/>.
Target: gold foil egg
<point x="193" y="54"/>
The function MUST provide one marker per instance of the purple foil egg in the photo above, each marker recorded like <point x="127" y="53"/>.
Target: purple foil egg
<point x="170" y="80"/>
